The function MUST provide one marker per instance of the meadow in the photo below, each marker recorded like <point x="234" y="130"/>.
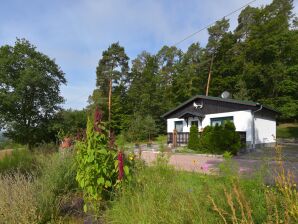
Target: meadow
<point x="41" y="188"/>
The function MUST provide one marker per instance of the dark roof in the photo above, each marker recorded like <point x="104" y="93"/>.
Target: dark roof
<point x="248" y="103"/>
<point x="194" y="114"/>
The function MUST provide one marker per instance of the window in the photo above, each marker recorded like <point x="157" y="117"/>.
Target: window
<point x="196" y="123"/>
<point x="220" y="120"/>
<point x="179" y="126"/>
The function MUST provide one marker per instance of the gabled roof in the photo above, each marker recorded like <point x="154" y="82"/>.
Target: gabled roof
<point x="248" y="103"/>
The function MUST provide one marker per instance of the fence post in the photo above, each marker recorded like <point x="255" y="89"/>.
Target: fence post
<point x="175" y="138"/>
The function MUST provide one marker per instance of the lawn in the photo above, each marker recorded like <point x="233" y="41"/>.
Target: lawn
<point x="288" y="130"/>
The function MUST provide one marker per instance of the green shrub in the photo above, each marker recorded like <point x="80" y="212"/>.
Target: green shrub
<point x="21" y="160"/>
<point x="230" y="138"/>
<point x="220" y="138"/>
<point x="193" y="142"/>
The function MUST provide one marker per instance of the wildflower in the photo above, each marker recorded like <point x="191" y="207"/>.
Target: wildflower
<point x="194" y="161"/>
<point x="205" y="167"/>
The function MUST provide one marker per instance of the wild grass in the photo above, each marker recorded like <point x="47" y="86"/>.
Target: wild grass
<point x="288" y="130"/>
<point x="21" y="160"/>
<point x="18" y="202"/>
<point x="162" y="195"/>
<point x="9" y="144"/>
<point x="55" y="184"/>
<point x="39" y="195"/>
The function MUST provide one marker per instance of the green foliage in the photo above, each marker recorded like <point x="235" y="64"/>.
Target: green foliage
<point x="193" y="142"/>
<point x="220" y="138"/>
<point x="141" y="128"/>
<point x="20" y="160"/>
<point x="69" y="122"/>
<point x="287" y="130"/>
<point x="97" y="172"/>
<point x="29" y="92"/>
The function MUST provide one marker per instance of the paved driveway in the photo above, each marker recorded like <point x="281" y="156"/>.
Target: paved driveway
<point x="248" y="163"/>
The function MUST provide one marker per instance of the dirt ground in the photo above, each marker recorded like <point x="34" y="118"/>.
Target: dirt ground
<point x="5" y="152"/>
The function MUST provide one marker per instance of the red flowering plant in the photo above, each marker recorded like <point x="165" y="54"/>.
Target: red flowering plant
<point x="101" y="168"/>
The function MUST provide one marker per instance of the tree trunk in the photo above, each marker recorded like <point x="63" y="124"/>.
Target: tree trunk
<point x="110" y="104"/>
<point x="209" y="76"/>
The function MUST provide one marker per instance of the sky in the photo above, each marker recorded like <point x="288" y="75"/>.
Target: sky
<point x="76" y="32"/>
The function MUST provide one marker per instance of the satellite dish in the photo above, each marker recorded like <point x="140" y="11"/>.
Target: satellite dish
<point x="225" y="95"/>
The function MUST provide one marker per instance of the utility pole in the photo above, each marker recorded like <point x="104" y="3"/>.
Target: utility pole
<point x="209" y="76"/>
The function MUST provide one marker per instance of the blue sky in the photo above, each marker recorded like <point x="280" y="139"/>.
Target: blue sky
<point x="75" y="32"/>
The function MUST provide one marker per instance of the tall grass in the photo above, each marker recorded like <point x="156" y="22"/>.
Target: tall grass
<point x="36" y="197"/>
<point x="20" y="160"/>
<point x="162" y="195"/>
<point x="281" y="200"/>
<point x="56" y="182"/>
<point x="18" y="202"/>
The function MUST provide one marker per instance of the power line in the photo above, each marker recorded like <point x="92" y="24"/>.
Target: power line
<point x="229" y="14"/>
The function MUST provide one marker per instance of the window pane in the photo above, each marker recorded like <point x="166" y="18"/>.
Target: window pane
<point x="220" y="120"/>
<point x="179" y="126"/>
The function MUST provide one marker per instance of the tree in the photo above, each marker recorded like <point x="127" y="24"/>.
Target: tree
<point x="29" y="92"/>
<point x="193" y="142"/>
<point x="112" y="70"/>
<point x="70" y="122"/>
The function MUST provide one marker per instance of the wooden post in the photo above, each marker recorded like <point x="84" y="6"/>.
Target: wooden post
<point x="209" y="76"/>
<point x="175" y="138"/>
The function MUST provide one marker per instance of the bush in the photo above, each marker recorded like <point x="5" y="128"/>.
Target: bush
<point x="220" y="138"/>
<point x="21" y="160"/>
<point x="18" y="202"/>
<point x="193" y="142"/>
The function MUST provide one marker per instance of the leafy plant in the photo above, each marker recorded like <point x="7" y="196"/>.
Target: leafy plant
<point x="99" y="165"/>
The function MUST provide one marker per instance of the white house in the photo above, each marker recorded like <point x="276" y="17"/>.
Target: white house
<point x="256" y="123"/>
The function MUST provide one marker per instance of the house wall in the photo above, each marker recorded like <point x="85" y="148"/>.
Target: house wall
<point x="242" y="121"/>
<point x="265" y="130"/>
<point x="186" y="128"/>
